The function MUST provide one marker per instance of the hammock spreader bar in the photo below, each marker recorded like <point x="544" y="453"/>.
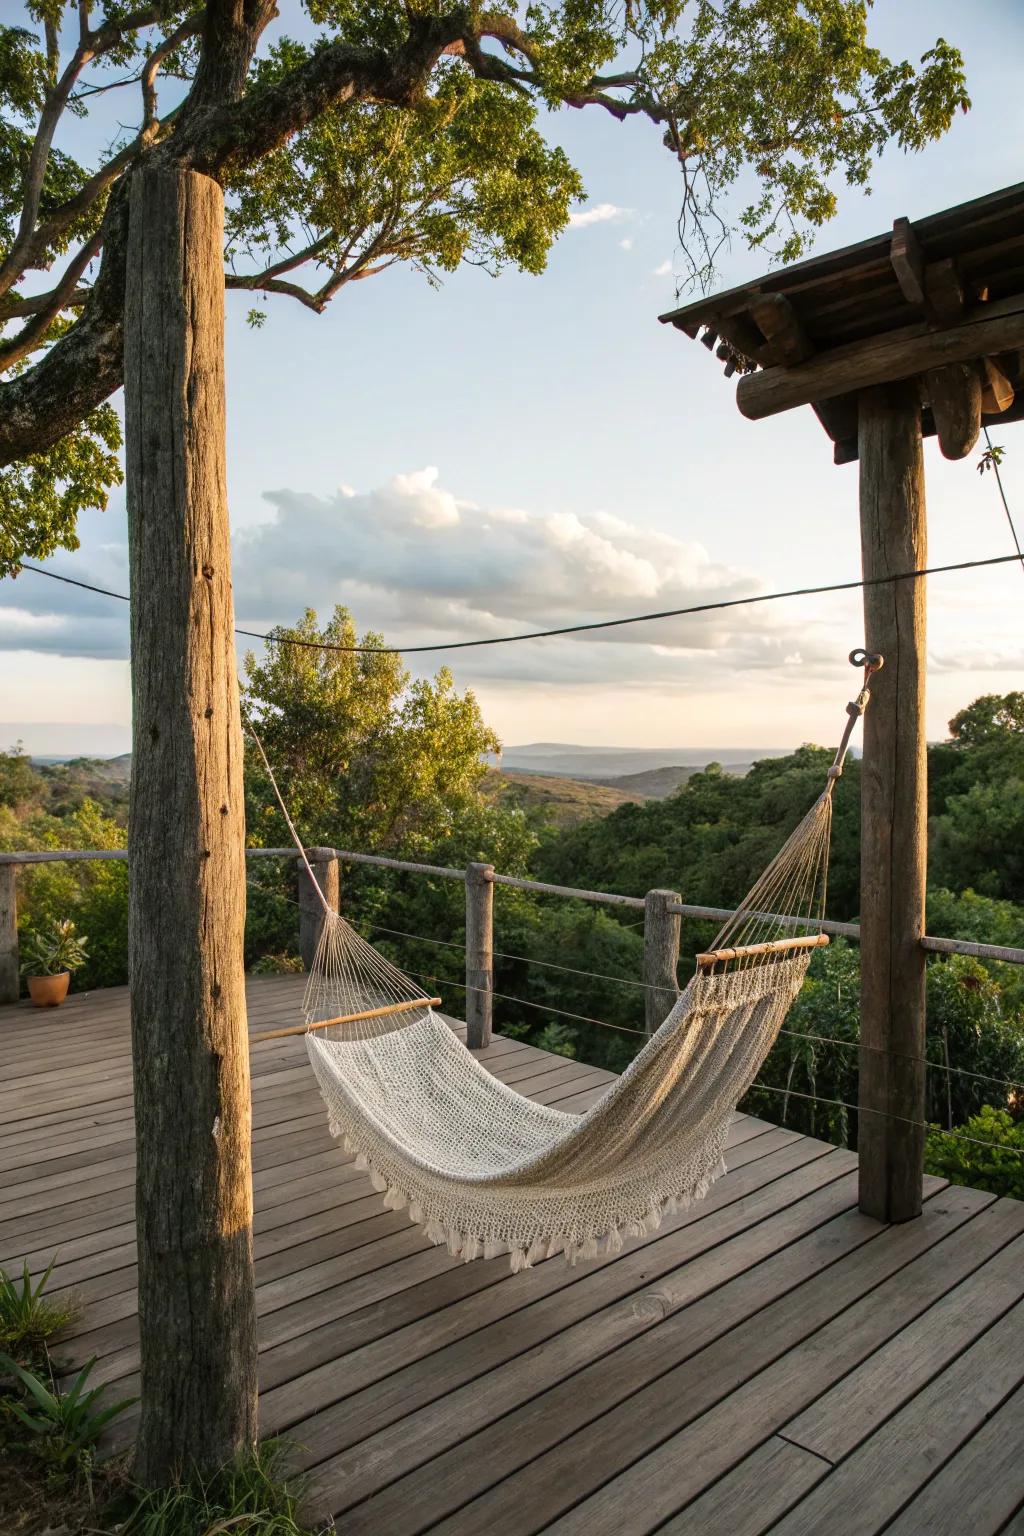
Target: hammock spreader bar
<point x="770" y="947"/>
<point x="405" y="1006"/>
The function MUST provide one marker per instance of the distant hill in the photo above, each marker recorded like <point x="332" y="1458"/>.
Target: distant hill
<point x="657" y="783"/>
<point x="559" y="801"/>
<point x="610" y="764"/>
<point x="104" y="779"/>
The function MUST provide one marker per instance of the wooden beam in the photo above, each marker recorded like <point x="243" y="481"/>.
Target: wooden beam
<point x="893" y="810"/>
<point x="782" y="327"/>
<point x="996" y="390"/>
<point x="908" y="262"/>
<point x="954" y="394"/>
<point x="839" y="418"/>
<point x="943" y="291"/>
<point x="900" y="354"/>
<point x="742" y="334"/>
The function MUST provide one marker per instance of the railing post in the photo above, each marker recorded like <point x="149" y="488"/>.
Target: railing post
<point x="324" y="864"/>
<point x="661" y="956"/>
<point x="479" y="954"/>
<point x="9" y="984"/>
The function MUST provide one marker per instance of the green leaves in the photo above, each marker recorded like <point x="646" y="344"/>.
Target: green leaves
<point x="367" y="758"/>
<point x="463" y="175"/>
<point x="64" y="1426"/>
<point x="41" y="497"/>
<point x="51" y="951"/>
<point x="28" y="1317"/>
<point x="411" y="132"/>
<point x="986" y="1152"/>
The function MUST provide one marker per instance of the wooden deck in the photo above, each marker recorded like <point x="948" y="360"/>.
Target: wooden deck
<point x="769" y="1361"/>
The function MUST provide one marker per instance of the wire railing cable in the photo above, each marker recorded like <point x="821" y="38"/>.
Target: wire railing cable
<point x="569" y="629"/>
<point x="886" y="1114"/>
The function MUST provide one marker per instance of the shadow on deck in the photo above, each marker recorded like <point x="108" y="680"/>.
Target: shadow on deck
<point x="770" y="1360"/>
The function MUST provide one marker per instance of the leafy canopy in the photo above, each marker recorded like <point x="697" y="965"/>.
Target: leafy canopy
<point x="366" y="757"/>
<point x="396" y="132"/>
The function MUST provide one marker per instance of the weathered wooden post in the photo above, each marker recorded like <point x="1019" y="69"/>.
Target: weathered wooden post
<point x="324" y="864"/>
<point x="919" y="331"/>
<point x="894" y="799"/>
<point x="661" y="956"/>
<point x="9" y="982"/>
<point x="479" y="954"/>
<point x="186" y="866"/>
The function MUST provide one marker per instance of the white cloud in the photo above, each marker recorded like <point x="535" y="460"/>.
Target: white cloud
<point x="626" y="245"/>
<point x="415" y="562"/>
<point x="597" y="213"/>
<point x="665" y="270"/>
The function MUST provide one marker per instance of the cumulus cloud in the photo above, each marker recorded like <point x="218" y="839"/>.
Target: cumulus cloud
<point x="416" y="562"/>
<point x="597" y="213"/>
<point x="665" y="270"/>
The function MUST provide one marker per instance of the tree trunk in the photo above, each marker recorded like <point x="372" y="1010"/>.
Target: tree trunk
<point x="894" y="822"/>
<point x="186" y="846"/>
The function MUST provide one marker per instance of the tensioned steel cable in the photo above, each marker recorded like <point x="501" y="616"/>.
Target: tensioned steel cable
<point x="993" y="460"/>
<point x="568" y="629"/>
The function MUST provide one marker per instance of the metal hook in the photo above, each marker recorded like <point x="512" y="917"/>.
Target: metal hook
<point x="871" y="661"/>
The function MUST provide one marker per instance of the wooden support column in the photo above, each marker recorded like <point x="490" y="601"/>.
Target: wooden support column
<point x="893" y="808"/>
<point x="311" y="913"/>
<point x="186" y="863"/>
<point x="479" y="954"/>
<point x="9" y="977"/>
<point x="661" y="956"/>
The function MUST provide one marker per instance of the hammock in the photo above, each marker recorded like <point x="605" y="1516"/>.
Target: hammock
<point x="485" y="1170"/>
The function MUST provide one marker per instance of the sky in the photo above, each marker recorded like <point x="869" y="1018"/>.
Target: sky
<point x="506" y="454"/>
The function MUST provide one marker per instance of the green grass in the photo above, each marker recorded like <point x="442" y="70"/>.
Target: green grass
<point x="250" y="1497"/>
<point x="28" y="1318"/>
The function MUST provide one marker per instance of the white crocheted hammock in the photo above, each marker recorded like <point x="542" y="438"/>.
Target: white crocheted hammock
<point x="485" y="1170"/>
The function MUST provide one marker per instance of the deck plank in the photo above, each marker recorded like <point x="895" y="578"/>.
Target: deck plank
<point x="770" y="1360"/>
<point x="874" y="1484"/>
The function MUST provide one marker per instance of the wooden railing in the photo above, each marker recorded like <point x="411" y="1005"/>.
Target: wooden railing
<point x="662" y="911"/>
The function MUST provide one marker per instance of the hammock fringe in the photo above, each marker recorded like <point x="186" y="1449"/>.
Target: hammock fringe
<point x="472" y="1245"/>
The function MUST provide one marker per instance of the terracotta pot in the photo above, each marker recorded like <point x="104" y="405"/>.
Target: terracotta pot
<point x="48" y="991"/>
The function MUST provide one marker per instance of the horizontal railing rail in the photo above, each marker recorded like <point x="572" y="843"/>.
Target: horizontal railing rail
<point x="935" y="944"/>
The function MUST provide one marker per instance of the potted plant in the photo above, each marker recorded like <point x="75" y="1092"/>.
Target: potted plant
<point x="50" y="957"/>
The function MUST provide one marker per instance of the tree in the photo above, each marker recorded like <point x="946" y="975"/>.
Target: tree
<point x="993" y="717"/>
<point x="402" y="131"/>
<point x="371" y="759"/>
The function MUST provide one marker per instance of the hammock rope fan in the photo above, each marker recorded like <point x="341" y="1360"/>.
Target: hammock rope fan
<point x="486" y="1171"/>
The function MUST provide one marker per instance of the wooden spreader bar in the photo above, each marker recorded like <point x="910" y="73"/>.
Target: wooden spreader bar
<point x="770" y="947"/>
<point x="406" y="1006"/>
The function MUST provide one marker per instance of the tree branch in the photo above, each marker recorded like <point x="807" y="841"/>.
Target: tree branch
<point x="31" y="242"/>
<point x="80" y="371"/>
<point x="218" y="133"/>
<point x="35" y="175"/>
<point x="16" y="347"/>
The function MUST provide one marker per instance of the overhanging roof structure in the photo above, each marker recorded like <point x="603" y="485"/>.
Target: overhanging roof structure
<point x="944" y="293"/>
